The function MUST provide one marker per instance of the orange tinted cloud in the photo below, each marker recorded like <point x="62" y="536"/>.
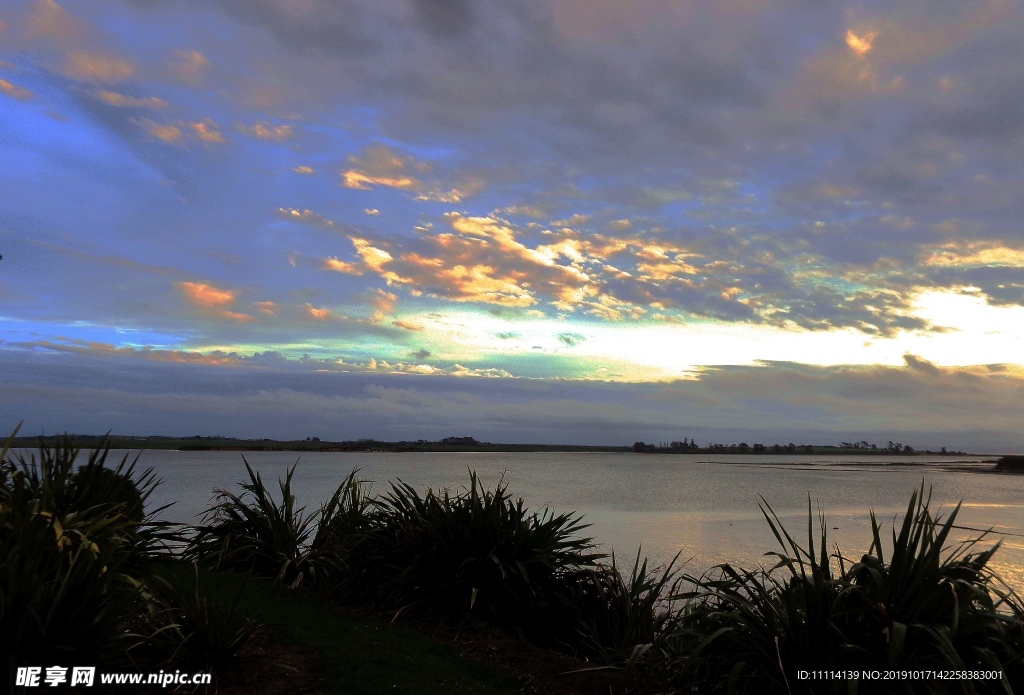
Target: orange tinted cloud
<point x="320" y="314"/>
<point x="265" y="131"/>
<point x="860" y="44"/>
<point x="363" y="181"/>
<point x="206" y="131"/>
<point x="215" y="301"/>
<point x="183" y="357"/>
<point x="50" y="20"/>
<point x="86" y="66"/>
<point x="486" y="260"/>
<point x="379" y="165"/>
<point x="188" y="65"/>
<point x="205" y="295"/>
<point x="973" y="254"/>
<point x="383" y="303"/>
<point x="307" y="216"/>
<point x="14" y="91"/>
<point x="302" y="169"/>
<point x="178" y="356"/>
<point x="339" y="266"/>
<point x="164" y="132"/>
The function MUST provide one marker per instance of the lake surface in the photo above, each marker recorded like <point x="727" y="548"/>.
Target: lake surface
<point x="704" y="507"/>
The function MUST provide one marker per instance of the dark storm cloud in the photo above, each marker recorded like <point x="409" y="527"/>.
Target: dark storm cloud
<point x="445" y="18"/>
<point x="345" y="28"/>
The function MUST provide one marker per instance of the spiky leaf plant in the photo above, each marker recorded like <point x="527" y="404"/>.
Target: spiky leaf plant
<point x="253" y="532"/>
<point x="617" y="619"/>
<point x="74" y="547"/>
<point x="928" y="603"/>
<point x="477" y="551"/>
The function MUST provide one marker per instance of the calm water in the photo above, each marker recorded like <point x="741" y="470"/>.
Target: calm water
<point x="705" y="507"/>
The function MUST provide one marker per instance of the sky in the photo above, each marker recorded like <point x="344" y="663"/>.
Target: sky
<point x="576" y="221"/>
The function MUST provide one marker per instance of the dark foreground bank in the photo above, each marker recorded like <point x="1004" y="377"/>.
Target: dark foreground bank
<point x="89" y="577"/>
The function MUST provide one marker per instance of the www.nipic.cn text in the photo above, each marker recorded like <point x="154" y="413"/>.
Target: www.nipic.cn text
<point x="86" y="676"/>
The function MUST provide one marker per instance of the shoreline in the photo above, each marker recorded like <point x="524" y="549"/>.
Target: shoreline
<point x="199" y="443"/>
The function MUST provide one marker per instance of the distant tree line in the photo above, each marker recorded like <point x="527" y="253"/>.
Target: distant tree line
<point x="689" y="445"/>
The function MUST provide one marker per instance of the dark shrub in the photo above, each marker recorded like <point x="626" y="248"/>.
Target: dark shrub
<point x="923" y="605"/>
<point x="252" y="532"/>
<point x="69" y="581"/>
<point x="477" y="551"/>
<point x="617" y="619"/>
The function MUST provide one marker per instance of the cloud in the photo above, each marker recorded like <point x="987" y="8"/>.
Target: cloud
<point x="161" y="131"/>
<point x="206" y="131"/>
<point x="645" y="162"/>
<point x="487" y="260"/>
<point x="921" y="365"/>
<point x="381" y="165"/>
<point x="320" y="313"/>
<point x="48" y="19"/>
<point x="189" y="65"/>
<point x="87" y="66"/>
<point x="979" y="253"/>
<point x="205" y="295"/>
<point x="339" y="266"/>
<point x="305" y="216"/>
<point x="571" y="339"/>
<point x="174" y="392"/>
<point x="14" y="91"/>
<point x="213" y="301"/>
<point x="112" y="98"/>
<point x="383" y="303"/>
<point x="860" y="45"/>
<point x="266" y="131"/>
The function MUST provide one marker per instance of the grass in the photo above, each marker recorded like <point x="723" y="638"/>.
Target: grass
<point x="357" y="656"/>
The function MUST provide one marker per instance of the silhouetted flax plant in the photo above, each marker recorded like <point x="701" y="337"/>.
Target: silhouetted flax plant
<point x="929" y="603"/>
<point x="254" y="533"/>
<point x="80" y="576"/>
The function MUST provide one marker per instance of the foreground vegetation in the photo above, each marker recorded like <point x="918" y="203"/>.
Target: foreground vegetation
<point x="90" y="577"/>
